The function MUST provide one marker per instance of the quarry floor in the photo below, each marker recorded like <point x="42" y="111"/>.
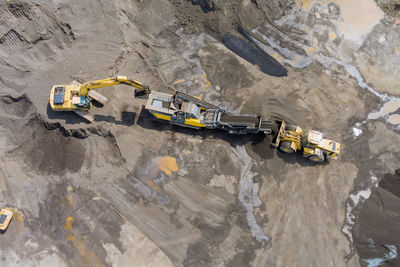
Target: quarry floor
<point x="128" y="190"/>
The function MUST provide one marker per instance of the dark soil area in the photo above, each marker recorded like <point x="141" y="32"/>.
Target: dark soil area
<point x="377" y="230"/>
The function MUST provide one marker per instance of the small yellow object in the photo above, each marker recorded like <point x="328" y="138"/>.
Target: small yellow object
<point x="194" y="122"/>
<point x="161" y="116"/>
<point x="5" y="218"/>
<point x="167" y="165"/>
<point x="179" y="81"/>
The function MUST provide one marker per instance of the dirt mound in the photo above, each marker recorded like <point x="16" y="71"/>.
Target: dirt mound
<point x="24" y="25"/>
<point x="19" y="106"/>
<point x="45" y="147"/>
<point x="218" y="17"/>
<point x="390" y="7"/>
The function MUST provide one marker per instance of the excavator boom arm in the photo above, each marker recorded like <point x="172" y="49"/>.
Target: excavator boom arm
<point x="84" y="88"/>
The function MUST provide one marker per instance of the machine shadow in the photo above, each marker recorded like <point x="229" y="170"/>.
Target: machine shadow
<point x="68" y="116"/>
<point x="297" y="157"/>
<point x="256" y="141"/>
<point x="127" y="118"/>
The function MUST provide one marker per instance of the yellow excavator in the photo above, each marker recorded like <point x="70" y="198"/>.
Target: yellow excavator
<point x="78" y="97"/>
<point x="291" y="138"/>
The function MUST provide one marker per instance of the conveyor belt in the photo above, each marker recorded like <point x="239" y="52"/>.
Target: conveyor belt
<point x="240" y="119"/>
<point x="249" y="121"/>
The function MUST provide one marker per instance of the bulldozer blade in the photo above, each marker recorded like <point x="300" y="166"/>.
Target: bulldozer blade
<point x="97" y="97"/>
<point x="84" y="114"/>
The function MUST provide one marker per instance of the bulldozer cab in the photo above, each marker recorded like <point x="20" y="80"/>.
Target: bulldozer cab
<point x="316" y="139"/>
<point x="313" y="138"/>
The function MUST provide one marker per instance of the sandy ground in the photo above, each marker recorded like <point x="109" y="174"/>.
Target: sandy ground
<point x="128" y="190"/>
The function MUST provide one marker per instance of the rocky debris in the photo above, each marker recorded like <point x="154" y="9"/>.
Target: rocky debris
<point x="390" y="7"/>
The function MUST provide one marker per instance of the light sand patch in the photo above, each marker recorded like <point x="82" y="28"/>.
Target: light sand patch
<point x="358" y="17"/>
<point x="225" y="181"/>
<point x="139" y="250"/>
<point x="394" y="119"/>
<point x="387" y="108"/>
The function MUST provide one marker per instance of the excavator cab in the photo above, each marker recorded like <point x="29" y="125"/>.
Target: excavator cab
<point x="66" y="98"/>
<point x="59" y="92"/>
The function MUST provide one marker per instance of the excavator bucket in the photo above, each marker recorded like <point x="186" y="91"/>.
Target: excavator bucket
<point x="97" y="97"/>
<point x="142" y="93"/>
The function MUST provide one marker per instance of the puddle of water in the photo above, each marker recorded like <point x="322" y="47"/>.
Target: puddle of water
<point x="394" y="119"/>
<point x="248" y="193"/>
<point x="375" y="262"/>
<point x="355" y="199"/>
<point x="357" y="17"/>
<point x="389" y="107"/>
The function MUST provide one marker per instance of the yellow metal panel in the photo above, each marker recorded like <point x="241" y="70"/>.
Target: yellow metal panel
<point x="308" y="151"/>
<point x="295" y="146"/>
<point x="161" y="116"/>
<point x="194" y="122"/>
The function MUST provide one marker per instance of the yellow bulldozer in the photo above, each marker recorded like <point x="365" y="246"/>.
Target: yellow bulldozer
<point x="291" y="138"/>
